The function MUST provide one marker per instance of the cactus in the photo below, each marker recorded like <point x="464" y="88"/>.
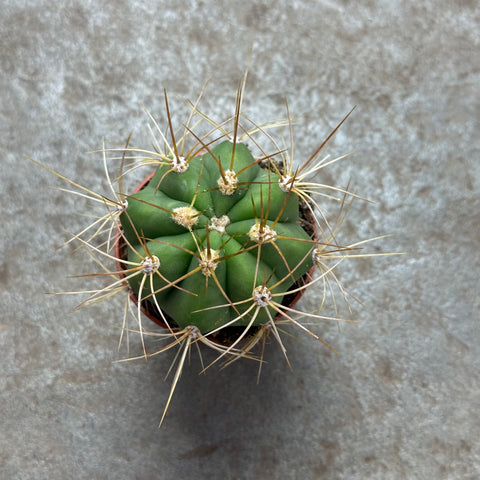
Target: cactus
<point x="218" y="243"/>
<point x="225" y="226"/>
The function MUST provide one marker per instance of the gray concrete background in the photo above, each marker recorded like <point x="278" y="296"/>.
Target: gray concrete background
<point x="402" y="398"/>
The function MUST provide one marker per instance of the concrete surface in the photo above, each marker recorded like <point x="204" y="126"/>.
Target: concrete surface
<point x="402" y="398"/>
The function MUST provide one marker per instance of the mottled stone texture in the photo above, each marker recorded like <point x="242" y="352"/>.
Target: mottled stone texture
<point x="402" y="398"/>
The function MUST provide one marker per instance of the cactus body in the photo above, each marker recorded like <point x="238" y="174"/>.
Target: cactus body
<point x="220" y="229"/>
<point x="215" y="240"/>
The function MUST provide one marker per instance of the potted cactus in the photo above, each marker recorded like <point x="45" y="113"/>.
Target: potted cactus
<point x="217" y="244"/>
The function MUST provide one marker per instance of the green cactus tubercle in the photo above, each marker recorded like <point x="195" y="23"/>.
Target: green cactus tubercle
<point x="225" y="218"/>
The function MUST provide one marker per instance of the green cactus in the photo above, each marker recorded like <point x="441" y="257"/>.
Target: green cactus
<point x="218" y="244"/>
<point x="225" y="226"/>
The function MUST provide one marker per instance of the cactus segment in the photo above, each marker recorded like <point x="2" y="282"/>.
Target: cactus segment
<point x="210" y="262"/>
